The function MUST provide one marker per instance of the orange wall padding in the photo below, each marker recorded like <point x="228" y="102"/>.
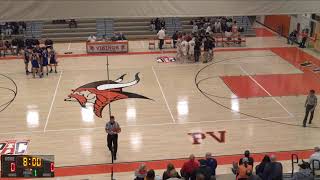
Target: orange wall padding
<point x="275" y="21"/>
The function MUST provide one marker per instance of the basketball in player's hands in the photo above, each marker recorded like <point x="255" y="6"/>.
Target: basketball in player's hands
<point x="117" y="130"/>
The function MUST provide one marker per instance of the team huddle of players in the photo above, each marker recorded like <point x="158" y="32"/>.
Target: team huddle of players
<point x="40" y="58"/>
<point x="189" y="48"/>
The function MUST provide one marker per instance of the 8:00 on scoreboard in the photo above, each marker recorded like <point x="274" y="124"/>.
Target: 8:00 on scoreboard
<point x="27" y="166"/>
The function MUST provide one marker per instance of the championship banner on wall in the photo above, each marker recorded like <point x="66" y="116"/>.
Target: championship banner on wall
<point x="107" y="47"/>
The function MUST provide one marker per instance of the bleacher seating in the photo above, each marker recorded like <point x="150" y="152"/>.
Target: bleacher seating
<point x="104" y="27"/>
<point x="33" y="29"/>
<point x="242" y="21"/>
<point x="62" y="32"/>
<point x="138" y="28"/>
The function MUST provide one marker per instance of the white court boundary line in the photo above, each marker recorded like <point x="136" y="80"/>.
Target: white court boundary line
<point x="164" y="97"/>
<point x="290" y="114"/>
<point x="148" y="125"/>
<point x="53" y="99"/>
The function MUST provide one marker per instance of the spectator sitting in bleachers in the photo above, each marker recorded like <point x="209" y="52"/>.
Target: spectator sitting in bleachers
<point x="157" y="24"/>
<point x="262" y="165"/>
<point x="204" y="169"/>
<point x="8" y="30"/>
<point x="152" y="25"/>
<point x="273" y="170"/>
<point x="170" y="172"/>
<point x="163" y="23"/>
<point x="152" y="176"/>
<point x="244" y="169"/>
<point x="211" y="163"/>
<point x="315" y="156"/>
<point x="304" y="172"/>
<point x="141" y="172"/>
<point x="73" y="23"/>
<point x="189" y="167"/>
<point x="247" y="155"/>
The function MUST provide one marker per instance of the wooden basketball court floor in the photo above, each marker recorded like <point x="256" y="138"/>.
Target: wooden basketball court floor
<point x="254" y="96"/>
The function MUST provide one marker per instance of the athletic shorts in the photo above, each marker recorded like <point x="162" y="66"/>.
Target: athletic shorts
<point x="53" y="61"/>
<point x="45" y="62"/>
<point x="35" y="64"/>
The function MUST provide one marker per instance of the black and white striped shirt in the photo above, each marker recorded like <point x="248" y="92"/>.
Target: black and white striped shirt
<point x="111" y="128"/>
<point x="311" y="100"/>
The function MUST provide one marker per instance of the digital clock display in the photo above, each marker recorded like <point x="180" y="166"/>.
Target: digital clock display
<point x="27" y="166"/>
<point x="29" y="161"/>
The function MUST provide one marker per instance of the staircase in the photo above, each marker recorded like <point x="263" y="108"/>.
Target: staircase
<point x="172" y="25"/>
<point x="134" y="28"/>
<point x="62" y="32"/>
<point x="33" y="29"/>
<point x="185" y="24"/>
<point x="104" y="28"/>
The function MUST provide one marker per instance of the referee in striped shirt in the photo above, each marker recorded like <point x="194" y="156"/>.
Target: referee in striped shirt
<point x="113" y="129"/>
<point x="311" y="103"/>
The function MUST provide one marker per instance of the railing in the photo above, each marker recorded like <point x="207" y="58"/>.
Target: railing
<point x="294" y="160"/>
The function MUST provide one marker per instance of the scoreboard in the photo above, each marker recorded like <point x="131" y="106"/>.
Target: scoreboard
<point x="27" y="166"/>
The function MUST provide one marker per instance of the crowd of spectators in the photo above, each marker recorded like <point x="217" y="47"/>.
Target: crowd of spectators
<point x="157" y="24"/>
<point x="205" y="169"/>
<point x="215" y="25"/>
<point x="7" y="29"/>
<point x="71" y="22"/>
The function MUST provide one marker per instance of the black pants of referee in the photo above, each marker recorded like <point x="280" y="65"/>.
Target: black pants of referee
<point x="310" y="109"/>
<point x="112" y="140"/>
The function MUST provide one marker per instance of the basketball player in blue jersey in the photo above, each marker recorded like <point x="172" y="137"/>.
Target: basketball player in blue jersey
<point x="35" y="64"/>
<point x="45" y="57"/>
<point x="27" y="57"/>
<point x="53" y="60"/>
<point x="38" y="51"/>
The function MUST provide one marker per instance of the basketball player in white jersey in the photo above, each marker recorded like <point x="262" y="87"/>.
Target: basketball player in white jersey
<point x="191" y="50"/>
<point x="178" y="47"/>
<point x="184" y="50"/>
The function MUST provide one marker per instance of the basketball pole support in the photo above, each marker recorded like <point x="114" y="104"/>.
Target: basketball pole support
<point x="112" y="160"/>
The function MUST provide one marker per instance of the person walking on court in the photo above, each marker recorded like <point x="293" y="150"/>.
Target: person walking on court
<point x="310" y="104"/>
<point x="113" y="129"/>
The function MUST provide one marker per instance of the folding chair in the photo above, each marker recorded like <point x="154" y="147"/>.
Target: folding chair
<point x="168" y="42"/>
<point x="152" y="44"/>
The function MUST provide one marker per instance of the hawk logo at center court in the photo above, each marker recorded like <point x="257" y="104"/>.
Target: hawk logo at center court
<point x="101" y="93"/>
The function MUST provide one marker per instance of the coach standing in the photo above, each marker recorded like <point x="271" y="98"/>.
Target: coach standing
<point x="112" y="129"/>
<point x="310" y="105"/>
<point x="161" y="35"/>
